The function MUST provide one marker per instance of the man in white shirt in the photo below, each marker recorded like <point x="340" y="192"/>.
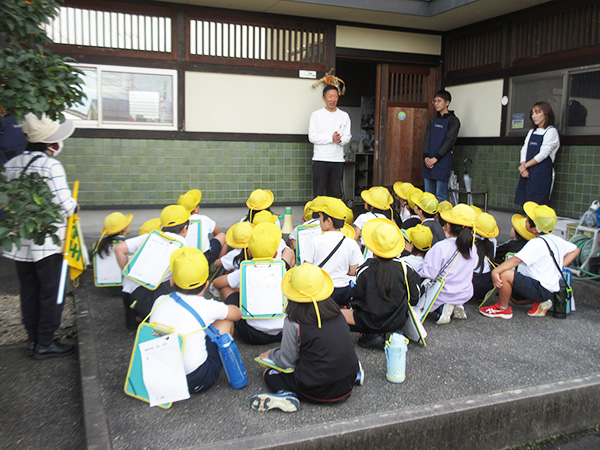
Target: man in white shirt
<point x="329" y="131"/>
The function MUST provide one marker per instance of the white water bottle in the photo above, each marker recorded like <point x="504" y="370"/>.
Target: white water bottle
<point x="395" y="352"/>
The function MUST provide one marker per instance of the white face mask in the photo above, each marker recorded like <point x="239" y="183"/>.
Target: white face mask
<point x="405" y="214"/>
<point x="56" y="152"/>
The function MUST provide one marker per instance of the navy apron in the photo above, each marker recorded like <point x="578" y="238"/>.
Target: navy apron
<point x="537" y="187"/>
<point x="437" y="135"/>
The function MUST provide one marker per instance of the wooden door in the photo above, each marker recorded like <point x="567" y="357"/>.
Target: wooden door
<point x="403" y="110"/>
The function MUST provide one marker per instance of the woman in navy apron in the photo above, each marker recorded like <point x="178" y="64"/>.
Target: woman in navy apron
<point x="537" y="157"/>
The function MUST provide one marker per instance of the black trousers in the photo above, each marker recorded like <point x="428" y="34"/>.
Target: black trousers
<point x="39" y="287"/>
<point x="327" y="178"/>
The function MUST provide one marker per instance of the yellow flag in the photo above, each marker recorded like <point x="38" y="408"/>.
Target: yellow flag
<point x="75" y="258"/>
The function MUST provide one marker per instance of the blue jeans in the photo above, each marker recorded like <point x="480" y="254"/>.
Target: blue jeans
<point x="439" y="188"/>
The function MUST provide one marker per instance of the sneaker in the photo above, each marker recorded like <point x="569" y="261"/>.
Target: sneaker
<point x="446" y="314"/>
<point x="216" y="294"/>
<point x="285" y="401"/>
<point x="459" y="312"/>
<point x="360" y="376"/>
<point x="539" y="309"/>
<point x="496" y="311"/>
<point x="371" y="340"/>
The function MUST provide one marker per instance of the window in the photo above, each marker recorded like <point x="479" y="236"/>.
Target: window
<point x="574" y="95"/>
<point x="127" y="97"/>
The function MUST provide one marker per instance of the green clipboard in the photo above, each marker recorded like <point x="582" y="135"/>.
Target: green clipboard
<point x="159" y="259"/>
<point x="268" y="363"/>
<point x="195" y="233"/>
<point x="302" y="232"/>
<point x="271" y="273"/>
<point x="134" y="382"/>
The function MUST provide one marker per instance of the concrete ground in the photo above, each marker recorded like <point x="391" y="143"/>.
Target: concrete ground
<point x="479" y="383"/>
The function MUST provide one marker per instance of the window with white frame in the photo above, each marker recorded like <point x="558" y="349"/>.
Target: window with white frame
<point x="127" y="97"/>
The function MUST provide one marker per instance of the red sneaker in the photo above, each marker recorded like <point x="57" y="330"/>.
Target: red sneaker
<point x="496" y="311"/>
<point x="539" y="309"/>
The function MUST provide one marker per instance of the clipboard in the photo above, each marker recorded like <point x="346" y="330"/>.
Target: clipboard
<point x="134" y="382"/>
<point x="261" y="296"/>
<point x="107" y="271"/>
<point x="268" y="363"/>
<point x="304" y="235"/>
<point x="194" y="234"/>
<point x="150" y="263"/>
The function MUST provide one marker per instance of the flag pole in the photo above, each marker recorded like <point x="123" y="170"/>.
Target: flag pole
<point x="65" y="261"/>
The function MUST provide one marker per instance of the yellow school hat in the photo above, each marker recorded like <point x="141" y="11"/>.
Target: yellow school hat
<point x="383" y="238"/>
<point x="173" y="215"/>
<point x="190" y="199"/>
<point x="349" y="216"/>
<point x="189" y="267"/>
<point x="307" y="283"/>
<point x="238" y="235"/>
<point x="445" y="206"/>
<point x="307" y="213"/>
<point x="264" y="240"/>
<point x="378" y="197"/>
<point x="348" y="231"/>
<point x="333" y="207"/>
<point x="413" y="195"/>
<point x="428" y="203"/>
<point x="420" y="236"/>
<point x="264" y="216"/>
<point x="461" y="214"/>
<point x="518" y="223"/>
<point x="543" y="216"/>
<point x="150" y="225"/>
<point x="477" y="209"/>
<point x="401" y="189"/>
<point x="486" y="226"/>
<point x="116" y="222"/>
<point x="260" y="199"/>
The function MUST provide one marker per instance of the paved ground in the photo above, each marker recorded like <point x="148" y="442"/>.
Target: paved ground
<point x="476" y="361"/>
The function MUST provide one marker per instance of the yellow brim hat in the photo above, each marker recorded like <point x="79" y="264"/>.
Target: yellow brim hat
<point x="461" y="214"/>
<point x="383" y="238"/>
<point x="401" y="189"/>
<point x="260" y="199"/>
<point x="486" y="226"/>
<point x="238" y="235"/>
<point x="116" y="222"/>
<point x="378" y="197"/>
<point x="348" y="231"/>
<point x="518" y="223"/>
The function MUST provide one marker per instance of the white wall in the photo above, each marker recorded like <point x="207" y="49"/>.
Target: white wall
<point x="390" y="41"/>
<point x="479" y="108"/>
<point x="216" y="102"/>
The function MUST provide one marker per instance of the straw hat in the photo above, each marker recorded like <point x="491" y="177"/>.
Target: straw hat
<point x="401" y="189"/>
<point x="190" y="199"/>
<point x="420" y="236"/>
<point x="383" y="238"/>
<point x="307" y="283"/>
<point x="189" y="267"/>
<point x="486" y="226"/>
<point x="260" y="199"/>
<point x="333" y="207"/>
<point x="378" y="197"/>
<point x="264" y="216"/>
<point x="518" y="223"/>
<point x="150" y="225"/>
<point x="428" y="203"/>
<point x="116" y="222"/>
<point x="173" y="215"/>
<point x="238" y="235"/>
<point x="445" y="206"/>
<point x="414" y="194"/>
<point x="264" y="240"/>
<point x="45" y="130"/>
<point x="543" y="216"/>
<point x="461" y="214"/>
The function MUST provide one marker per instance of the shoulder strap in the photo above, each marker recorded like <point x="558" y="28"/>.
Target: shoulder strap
<point x="554" y="260"/>
<point x="36" y="157"/>
<point x="332" y="252"/>
<point x="453" y="258"/>
<point x="211" y="331"/>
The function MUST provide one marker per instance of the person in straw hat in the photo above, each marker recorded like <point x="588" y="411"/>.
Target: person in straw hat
<point x="537" y="277"/>
<point x="316" y="343"/>
<point x="459" y="251"/>
<point x="384" y="286"/>
<point x="39" y="266"/>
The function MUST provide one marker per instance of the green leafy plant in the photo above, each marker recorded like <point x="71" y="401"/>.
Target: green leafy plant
<point x="27" y="211"/>
<point x="33" y="78"/>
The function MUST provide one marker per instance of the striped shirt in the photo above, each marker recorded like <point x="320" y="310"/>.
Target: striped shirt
<point x="56" y="179"/>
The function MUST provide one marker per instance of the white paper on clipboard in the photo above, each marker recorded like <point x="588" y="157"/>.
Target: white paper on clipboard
<point x="152" y="261"/>
<point x="107" y="269"/>
<point x="305" y="237"/>
<point x="194" y="234"/>
<point x="263" y="289"/>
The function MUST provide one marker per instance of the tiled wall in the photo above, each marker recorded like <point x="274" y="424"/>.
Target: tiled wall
<point x="494" y="168"/>
<point x="156" y="172"/>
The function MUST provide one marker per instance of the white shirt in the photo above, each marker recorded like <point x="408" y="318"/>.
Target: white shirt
<point x="361" y="220"/>
<point x="414" y="261"/>
<point x="168" y="312"/>
<point x="347" y="255"/>
<point x="537" y="262"/>
<point x="549" y="146"/>
<point x="322" y="125"/>
<point x="207" y="228"/>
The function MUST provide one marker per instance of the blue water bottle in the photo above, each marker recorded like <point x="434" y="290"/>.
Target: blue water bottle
<point x="232" y="361"/>
<point x="395" y="352"/>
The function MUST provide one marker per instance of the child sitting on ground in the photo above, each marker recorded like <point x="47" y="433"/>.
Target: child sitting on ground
<point x="316" y="344"/>
<point x="116" y="228"/>
<point x="486" y="231"/>
<point x="419" y="242"/>
<point x="519" y="236"/>
<point x="259" y="200"/>
<point x="426" y="207"/>
<point x="378" y="203"/>
<point x="401" y="209"/>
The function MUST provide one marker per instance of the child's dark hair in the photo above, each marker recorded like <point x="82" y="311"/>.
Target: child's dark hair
<point x="441" y="221"/>
<point x="464" y="239"/>
<point x="485" y="248"/>
<point x="532" y="225"/>
<point x="338" y="224"/>
<point x="253" y="212"/>
<point x="417" y="251"/>
<point x="548" y="112"/>
<point x="426" y="214"/>
<point x="443" y="93"/>
<point x="176" y="229"/>
<point x="385" y="276"/>
<point x="241" y="256"/>
<point x="518" y="237"/>
<point x="194" y="291"/>
<point x="386" y="212"/>
<point x="305" y="312"/>
<point x="330" y="87"/>
<point x="105" y="244"/>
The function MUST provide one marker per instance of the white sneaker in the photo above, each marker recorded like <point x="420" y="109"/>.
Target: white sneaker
<point x="216" y="294"/>
<point x="459" y="312"/>
<point x="446" y="314"/>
